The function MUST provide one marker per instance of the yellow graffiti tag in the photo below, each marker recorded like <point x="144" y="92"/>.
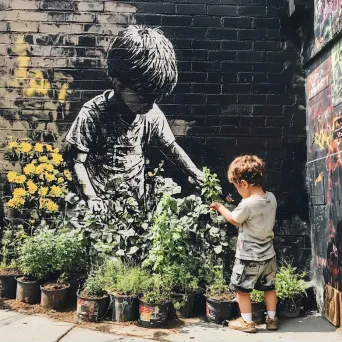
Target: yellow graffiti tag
<point x="21" y="48"/>
<point x="37" y="85"/>
<point x="324" y="137"/>
<point x="319" y="178"/>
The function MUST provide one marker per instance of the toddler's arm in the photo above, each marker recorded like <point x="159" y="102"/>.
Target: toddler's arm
<point x="94" y="202"/>
<point x="227" y="214"/>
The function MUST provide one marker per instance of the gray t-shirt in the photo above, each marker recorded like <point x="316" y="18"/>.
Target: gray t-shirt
<point x="256" y="217"/>
<point x="114" y="147"/>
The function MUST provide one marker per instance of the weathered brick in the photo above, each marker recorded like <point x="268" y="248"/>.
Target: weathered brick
<point x="158" y="7"/>
<point x="118" y="7"/>
<point x="116" y="18"/>
<point x="24" y="4"/>
<point x="92" y="6"/>
<point x="60" y="5"/>
<point x="221" y="33"/>
<point x="207" y="21"/>
<point x="237" y="22"/>
<point x="191" y="9"/>
<point x="225" y="10"/>
<point x="222" y="55"/>
<point x="21" y="26"/>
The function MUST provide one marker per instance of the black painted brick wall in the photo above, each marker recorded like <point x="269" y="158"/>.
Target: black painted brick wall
<point x="240" y="86"/>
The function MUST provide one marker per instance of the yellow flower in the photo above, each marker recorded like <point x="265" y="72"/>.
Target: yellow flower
<point x="32" y="188"/>
<point x="48" y="205"/>
<point x="29" y="169"/>
<point x="11" y="176"/>
<point x="67" y="174"/>
<point x="56" y="191"/>
<point x="25" y="147"/>
<point x="12" y="144"/>
<point x="50" y="177"/>
<point x="60" y="180"/>
<point x="56" y="158"/>
<point x="19" y="192"/>
<point x="51" y="206"/>
<point x="20" y="179"/>
<point x="43" y="159"/>
<point x="56" y="150"/>
<point x="49" y="167"/>
<point x="16" y="202"/>
<point x="49" y="147"/>
<point x="39" y="147"/>
<point x="43" y="191"/>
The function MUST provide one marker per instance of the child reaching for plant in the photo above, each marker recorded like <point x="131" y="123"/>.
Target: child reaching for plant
<point x="255" y="263"/>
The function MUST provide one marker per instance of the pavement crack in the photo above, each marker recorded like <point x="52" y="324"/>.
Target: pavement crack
<point x="66" y="333"/>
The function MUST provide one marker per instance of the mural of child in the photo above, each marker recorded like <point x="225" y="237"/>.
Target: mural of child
<point x="112" y="131"/>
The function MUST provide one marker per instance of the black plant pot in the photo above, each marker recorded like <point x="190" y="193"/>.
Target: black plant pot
<point x="258" y="312"/>
<point x="153" y="315"/>
<point x="290" y="307"/>
<point x="54" y="299"/>
<point x="91" y="309"/>
<point x="125" y="308"/>
<point x="219" y="311"/>
<point x="187" y="301"/>
<point x="8" y="286"/>
<point x="28" y="291"/>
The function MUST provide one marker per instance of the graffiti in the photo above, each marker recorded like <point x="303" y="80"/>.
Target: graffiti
<point x="336" y="75"/>
<point x="319" y="178"/>
<point x="142" y="66"/>
<point x="319" y="79"/>
<point x="327" y="22"/>
<point x="324" y="137"/>
<point x="35" y="83"/>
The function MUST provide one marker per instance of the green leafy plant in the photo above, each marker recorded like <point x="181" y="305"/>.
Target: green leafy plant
<point x="290" y="284"/>
<point x="94" y="285"/>
<point x="123" y="279"/>
<point x="211" y="189"/>
<point x="257" y="296"/>
<point x="217" y="286"/>
<point x="156" y="289"/>
<point x="70" y="256"/>
<point x="36" y="255"/>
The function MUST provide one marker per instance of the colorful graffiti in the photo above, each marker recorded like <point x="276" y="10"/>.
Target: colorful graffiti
<point x="324" y="118"/>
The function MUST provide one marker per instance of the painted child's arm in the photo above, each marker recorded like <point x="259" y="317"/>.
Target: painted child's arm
<point x="94" y="202"/>
<point x="179" y="156"/>
<point x="227" y="214"/>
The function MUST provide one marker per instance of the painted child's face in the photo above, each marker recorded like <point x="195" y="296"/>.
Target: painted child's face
<point x="243" y="189"/>
<point x="136" y="102"/>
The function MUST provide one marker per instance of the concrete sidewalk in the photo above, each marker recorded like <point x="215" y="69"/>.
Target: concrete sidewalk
<point x="16" y="327"/>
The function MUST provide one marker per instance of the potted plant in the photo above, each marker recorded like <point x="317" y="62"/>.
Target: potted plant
<point x="70" y="260"/>
<point x="291" y="289"/>
<point x="220" y="300"/>
<point x="185" y="285"/>
<point x="258" y="306"/>
<point x="124" y="288"/>
<point x="35" y="255"/>
<point x="93" y="300"/>
<point x="8" y="267"/>
<point x="155" y="301"/>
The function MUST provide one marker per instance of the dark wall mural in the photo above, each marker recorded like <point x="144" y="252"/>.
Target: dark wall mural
<point x="230" y="79"/>
<point x="324" y="167"/>
<point x="326" y="24"/>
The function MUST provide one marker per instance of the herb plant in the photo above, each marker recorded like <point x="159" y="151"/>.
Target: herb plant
<point x="257" y="296"/>
<point x="156" y="289"/>
<point x="290" y="284"/>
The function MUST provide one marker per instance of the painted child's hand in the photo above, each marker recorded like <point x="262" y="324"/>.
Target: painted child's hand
<point x="215" y="206"/>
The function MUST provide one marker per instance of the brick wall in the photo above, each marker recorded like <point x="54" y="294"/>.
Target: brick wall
<point x="239" y="90"/>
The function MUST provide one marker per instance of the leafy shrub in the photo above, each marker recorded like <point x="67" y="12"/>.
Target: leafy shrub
<point x="70" y="253"/>
<point x="257" y="296"/>
<point x="217" y="286"/>
<point x="290" y="284"/>
<point x="36" y="255"/>
<point x="156" y="289"/>
<point x="94" y="285"/>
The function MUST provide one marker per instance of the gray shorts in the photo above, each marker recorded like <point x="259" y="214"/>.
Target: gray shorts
<point x="248" y="275"/>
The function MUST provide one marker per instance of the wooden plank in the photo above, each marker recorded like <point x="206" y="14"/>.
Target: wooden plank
<point x="340" y="297"/>
<point x="331" y="308"/>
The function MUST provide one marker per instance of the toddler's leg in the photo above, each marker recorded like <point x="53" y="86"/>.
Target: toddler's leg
<point x="271" y="303"/>
<point x="244" y="300"/>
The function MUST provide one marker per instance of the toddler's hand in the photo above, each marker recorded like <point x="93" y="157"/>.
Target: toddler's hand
<point x="215" y="206"/>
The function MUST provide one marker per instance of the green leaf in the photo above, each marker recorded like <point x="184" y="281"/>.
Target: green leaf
<point x="218" y="249"/>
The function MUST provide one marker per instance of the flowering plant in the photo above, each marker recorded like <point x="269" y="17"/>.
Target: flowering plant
<point x="43" y="181"/>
